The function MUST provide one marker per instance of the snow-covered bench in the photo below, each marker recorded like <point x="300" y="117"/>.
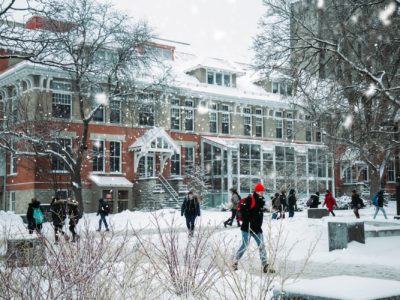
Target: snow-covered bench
<point x="317" y="213"/>
<point x="342" y="232"/>
<point x="25" y="250"/>
<point x="340" y="287"/>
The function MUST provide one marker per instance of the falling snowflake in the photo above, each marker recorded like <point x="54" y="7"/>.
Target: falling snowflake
<point x="371" y="90"/>
<point x="348" y="122"/>
<point x="386" y="13"/>
<point x="219" y="35"/>
<point x="321" y="4"/>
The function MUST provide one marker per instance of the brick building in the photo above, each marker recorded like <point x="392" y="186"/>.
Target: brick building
<point x="218" y="115"/>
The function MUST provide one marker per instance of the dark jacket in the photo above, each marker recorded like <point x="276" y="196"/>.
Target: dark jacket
<point x="73" y="211"/>
<point x="292" y="201"/>
<point x="381" y="199"/>
<point x="104" y="208"/>
<point x="252" y="217"/>
<point x="356" y="201"/>
<point x="58" y="212"/>
<point x="315" y="201"/>
<point x="283" y="200"/>
<point x="190" y="207"/>
<point x="235" y="199"/>
<point x="29" y="213"/>
<point x="276" y="203"/>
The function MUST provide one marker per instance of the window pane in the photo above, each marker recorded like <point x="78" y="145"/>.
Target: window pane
<point x="218" y="78"/>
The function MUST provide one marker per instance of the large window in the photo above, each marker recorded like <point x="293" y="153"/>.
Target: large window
<point x="11" y="204"/>
<point x="61" y="106"/>
<point x="189" y="159"/>
<point x="225" y="122"/>
<point x="176" y="164"/>
<point x="219" y="78"/>
<point x="289" y="126"/>
<point x="99" y="114"/>
<point x="146" y="115"/>
<point x="391" y="170"/>
<point x="259" y="126"/>
<point x="189" y="115"/>
<point x="213" y="122"/>
<point x="115" y="157"/>
<point x="13" y="163"/>
<point x="115" y="111"/>
<point x="278" y="125"/>
<point x="61" y="100"/>
<point x="58" y="164"/>
<point x="146" y="166"/>
<point x="246" y="121"/>
<point x="175" y="118"/>
<point x="98" y="156"/>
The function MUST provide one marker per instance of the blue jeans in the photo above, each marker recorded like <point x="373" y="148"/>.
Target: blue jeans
<point x="103" y="220"/>
<point x="377" y="209"/>
<point x="190" y="221"/>
<point x="259" y="238"/>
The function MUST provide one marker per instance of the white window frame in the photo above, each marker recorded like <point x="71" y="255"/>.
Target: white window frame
<point x="113" y="110"/>
<point x="278" y="124"/>
<point x="180" y="164"/>
<point x="213" y="118"/>
<point x="391" y="168"/>
<point x="225" y="119"/>
<point x="118" y="156"/>
<point x="103" y="156"/>
<point x="13" y="164"/>
<point x="146" y="173"/>
<point x="63" y="90"/>
<point x="259" y="123"/>
<point x="11" y="201"/>
<point x="223" y="81"/>
<point x="190" y="163"/>
<point x="58" y="170"/>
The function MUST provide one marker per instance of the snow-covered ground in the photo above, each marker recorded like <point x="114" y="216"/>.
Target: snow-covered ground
<point x="300" y="244"/>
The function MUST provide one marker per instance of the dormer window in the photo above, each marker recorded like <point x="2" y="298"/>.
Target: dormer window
<point x="281" y="88"/>
<point x="219" y="78"/>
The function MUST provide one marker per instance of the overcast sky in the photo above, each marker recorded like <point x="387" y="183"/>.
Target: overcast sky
<point x="214" y="28"/>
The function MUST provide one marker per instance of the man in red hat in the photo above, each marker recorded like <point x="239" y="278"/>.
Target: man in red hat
<point x="252" y="216"/>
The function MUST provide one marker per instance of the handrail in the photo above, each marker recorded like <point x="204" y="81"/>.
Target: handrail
<point x="169" y="188"/>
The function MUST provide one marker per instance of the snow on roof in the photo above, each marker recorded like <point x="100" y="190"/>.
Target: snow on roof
<point x="233" y="143"/>
<point x="156" y="140"/>
<point x="215" y="64"/>
<point x="111" y="181"/>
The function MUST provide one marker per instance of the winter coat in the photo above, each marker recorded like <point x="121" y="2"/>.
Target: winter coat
<point x="292" y="201"/>
<point x="330" y="202"/>
<point x="73" y="212"/>
<point x="283" y="200"/>
<point x="252" y="218"/>
<point x="381" y="199"/>
<point x="235" y="199"/>
<point x="29" y="214"/>
<point x="315" y="201"/>
<point x="356" y="201"/>
<point x="58" y="212"/>
<point x="104" y="208"/>
<point x="276" y="203"/>
<point x="190" y="207"/>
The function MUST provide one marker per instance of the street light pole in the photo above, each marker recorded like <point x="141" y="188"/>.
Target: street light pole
<point x="397" y="216"/>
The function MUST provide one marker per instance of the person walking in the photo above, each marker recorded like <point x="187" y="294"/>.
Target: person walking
<point x="235" y="199"/>
<point x="35" y="216"/>
<point x="292" y="202"/>
<point x="103" y="211"/>
<point x="283" y="201"/>
<point x="191" y="209"/>
<point x="73" y="214"/>
<point x="315" y="200"/>
<point x="252" y="216"/>
<point x="275" y="206"/>
<point x="379" y="206"/>
<point x="330" y="202"/>
<point x="356" y="203"/>
<point x="58" y="214"/>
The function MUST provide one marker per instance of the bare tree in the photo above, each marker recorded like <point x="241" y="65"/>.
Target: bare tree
<point x="99" y="50"/>
<point x="345" y="58"/>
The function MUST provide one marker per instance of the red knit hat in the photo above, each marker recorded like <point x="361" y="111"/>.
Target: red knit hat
<point x="259" y="187"/>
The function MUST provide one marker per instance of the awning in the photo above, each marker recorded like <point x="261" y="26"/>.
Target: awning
<point x="155" y="140"/>
<point x="111" y="181"/>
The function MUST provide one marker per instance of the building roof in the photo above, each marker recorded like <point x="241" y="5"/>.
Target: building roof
<point x="155" y="140"/>
<point x="111" y="181"/>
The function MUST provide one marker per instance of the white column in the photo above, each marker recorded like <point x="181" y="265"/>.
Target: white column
<point x="229" y="168"/>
